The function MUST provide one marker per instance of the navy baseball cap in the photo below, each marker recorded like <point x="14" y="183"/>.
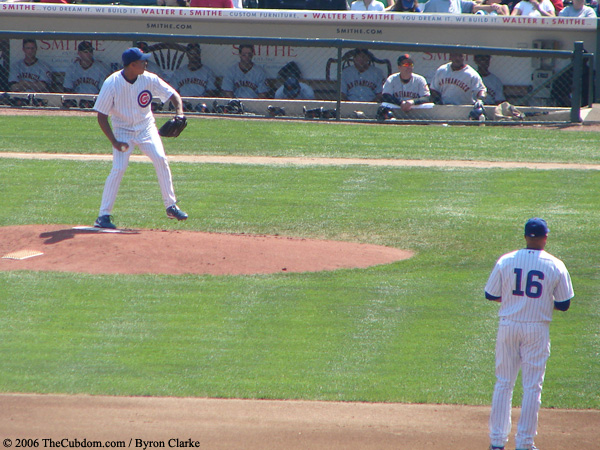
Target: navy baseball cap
<point x="134" y="54"/>
<point x="405" y="58"/>
<point x="85" y="46"/>
<point x="536" y="227"/>
<point x="291" y="87"/>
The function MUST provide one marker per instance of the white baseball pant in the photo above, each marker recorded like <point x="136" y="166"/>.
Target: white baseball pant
<point x="149" y="143"/>
<point x="525" y="346"/>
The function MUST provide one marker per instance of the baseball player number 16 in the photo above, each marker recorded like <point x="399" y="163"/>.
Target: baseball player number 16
<point x="533" y="289"/>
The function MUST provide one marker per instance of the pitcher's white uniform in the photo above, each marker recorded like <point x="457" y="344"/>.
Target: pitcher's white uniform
<point x="528" y="282"/>
<point x="128" y="105"/>
<point x="458" y="87"/>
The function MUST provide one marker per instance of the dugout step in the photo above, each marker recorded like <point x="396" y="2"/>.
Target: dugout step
<point x="348" y="110"/>
<point x="591" y="116"/>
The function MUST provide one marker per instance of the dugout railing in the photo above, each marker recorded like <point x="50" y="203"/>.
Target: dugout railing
<point x="534" y="101"/>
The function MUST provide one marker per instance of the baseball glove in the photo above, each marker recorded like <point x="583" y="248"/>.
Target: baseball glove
<point x="173" y="127"/>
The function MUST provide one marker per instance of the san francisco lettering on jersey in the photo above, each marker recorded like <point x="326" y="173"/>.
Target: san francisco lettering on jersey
<point x="453" y="81"/>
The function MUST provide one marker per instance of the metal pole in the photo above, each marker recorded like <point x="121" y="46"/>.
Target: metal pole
<point x="577" y="79"/>
<point x="338" y="84"/>
<point x="591" y="61"/>
<point x="595" y="68"/>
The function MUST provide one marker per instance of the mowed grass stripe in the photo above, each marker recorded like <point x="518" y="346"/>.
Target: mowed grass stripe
<point x="414" y="331"/>
<point x="314" y="139"/>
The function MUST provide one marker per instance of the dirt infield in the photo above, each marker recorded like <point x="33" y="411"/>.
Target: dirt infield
<point x="74" y="421"/>
<point x="66" y="248"/>
<point x="272" y="425"/>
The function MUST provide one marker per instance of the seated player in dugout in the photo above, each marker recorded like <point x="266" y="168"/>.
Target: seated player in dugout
<point x="30" y="74"/>
<point x="362" y="82"/>
<point x="457" y="83"/>
<point x="294" y="89"/>
<point x="245" y="79"/>
<point x="493" y="84"/>
<point x="195" y="79"/>
<point x="406" y="88"/>
<point x="86" y="74"/>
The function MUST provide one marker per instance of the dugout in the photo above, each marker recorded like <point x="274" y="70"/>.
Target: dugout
<point x="278" y="33"/>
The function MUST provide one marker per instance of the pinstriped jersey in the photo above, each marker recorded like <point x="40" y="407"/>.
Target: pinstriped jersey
<point x="128" y="104"/>
<point x="529" y="282"/>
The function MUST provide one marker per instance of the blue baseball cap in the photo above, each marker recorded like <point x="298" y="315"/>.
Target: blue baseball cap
<point x="536" y="227"/>
<point x="134" y="54"/>
<point x="405" y="57"/>
<point x="291" y="87"/>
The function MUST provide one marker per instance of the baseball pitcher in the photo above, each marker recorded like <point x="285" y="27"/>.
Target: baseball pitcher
<point x="126" y="96"/>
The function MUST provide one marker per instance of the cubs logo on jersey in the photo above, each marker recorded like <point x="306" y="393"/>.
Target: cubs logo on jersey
<point x="144" y="98"/>
<point x="128" y="103"/>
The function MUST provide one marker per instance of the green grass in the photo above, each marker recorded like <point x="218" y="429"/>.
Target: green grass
<point x="414" y="331"/>
<point x="289" y="138"/>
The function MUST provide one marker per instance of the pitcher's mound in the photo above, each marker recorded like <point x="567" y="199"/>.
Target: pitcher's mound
<point x="66" y="248"/>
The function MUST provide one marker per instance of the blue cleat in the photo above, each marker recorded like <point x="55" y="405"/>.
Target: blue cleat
<point x="173" y="212"/>
<point x="104" y="222"/>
